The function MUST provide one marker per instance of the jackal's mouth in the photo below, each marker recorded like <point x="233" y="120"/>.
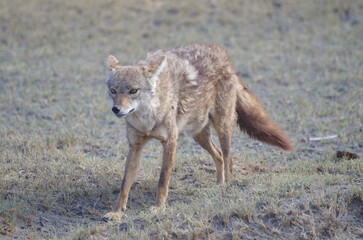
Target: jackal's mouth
<point x="120" y="115"/>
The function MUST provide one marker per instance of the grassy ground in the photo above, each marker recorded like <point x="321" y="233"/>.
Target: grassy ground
<point x="62" y="151"/>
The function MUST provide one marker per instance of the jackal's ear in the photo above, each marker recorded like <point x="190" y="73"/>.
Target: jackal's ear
<point x="153" y="71"/>
<point x="112" y="63"/>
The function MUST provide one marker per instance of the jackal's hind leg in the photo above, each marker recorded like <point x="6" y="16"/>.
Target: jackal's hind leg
<point x="223" y="121"/>
<point x="225" y="139"/>
<point x="205" y="141"/>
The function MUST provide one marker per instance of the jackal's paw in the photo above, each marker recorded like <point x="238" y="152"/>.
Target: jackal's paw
<point x="113" y="216"/>
<point x="155" y="209"/>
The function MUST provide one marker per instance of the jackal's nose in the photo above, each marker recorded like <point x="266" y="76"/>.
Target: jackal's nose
<point x="115" y="110"/>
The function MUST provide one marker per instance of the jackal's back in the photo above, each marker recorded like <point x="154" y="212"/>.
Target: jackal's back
<point x="211" y="61"/>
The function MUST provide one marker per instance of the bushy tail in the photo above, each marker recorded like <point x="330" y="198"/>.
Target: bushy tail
<point x="253" y="119"/>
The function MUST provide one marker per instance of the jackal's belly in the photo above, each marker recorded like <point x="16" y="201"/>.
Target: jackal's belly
<point x="191" y="124"/>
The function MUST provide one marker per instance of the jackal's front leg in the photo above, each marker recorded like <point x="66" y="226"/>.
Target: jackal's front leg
<point x="169" y="148"/>
<point x="136" y="143"/>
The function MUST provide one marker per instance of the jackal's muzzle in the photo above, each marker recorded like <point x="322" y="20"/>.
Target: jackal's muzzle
<point x="117" y="111"/>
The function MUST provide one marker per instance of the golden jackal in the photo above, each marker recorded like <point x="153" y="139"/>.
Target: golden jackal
<point x="184" y="91"/>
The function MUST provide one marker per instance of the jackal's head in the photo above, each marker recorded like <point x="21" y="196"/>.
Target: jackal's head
<point x="131" y="87"/>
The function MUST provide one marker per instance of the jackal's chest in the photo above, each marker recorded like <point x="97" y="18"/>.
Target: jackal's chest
<point x="143" y="123"/>
<point x="147" y="125"/>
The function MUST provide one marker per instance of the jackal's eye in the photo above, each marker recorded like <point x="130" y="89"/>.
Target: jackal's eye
<point x="113" y="91"/>
<point x="133" y="91"/>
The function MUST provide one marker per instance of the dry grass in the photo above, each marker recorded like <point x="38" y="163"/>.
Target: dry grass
<point x="62" y="151"/>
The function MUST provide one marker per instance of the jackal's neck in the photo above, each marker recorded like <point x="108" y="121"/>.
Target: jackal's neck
<point x="145" y="118"/>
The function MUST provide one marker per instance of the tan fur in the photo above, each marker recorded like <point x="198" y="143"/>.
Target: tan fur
<point x="184" y="91"/>
<point x="252" y="119"/>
